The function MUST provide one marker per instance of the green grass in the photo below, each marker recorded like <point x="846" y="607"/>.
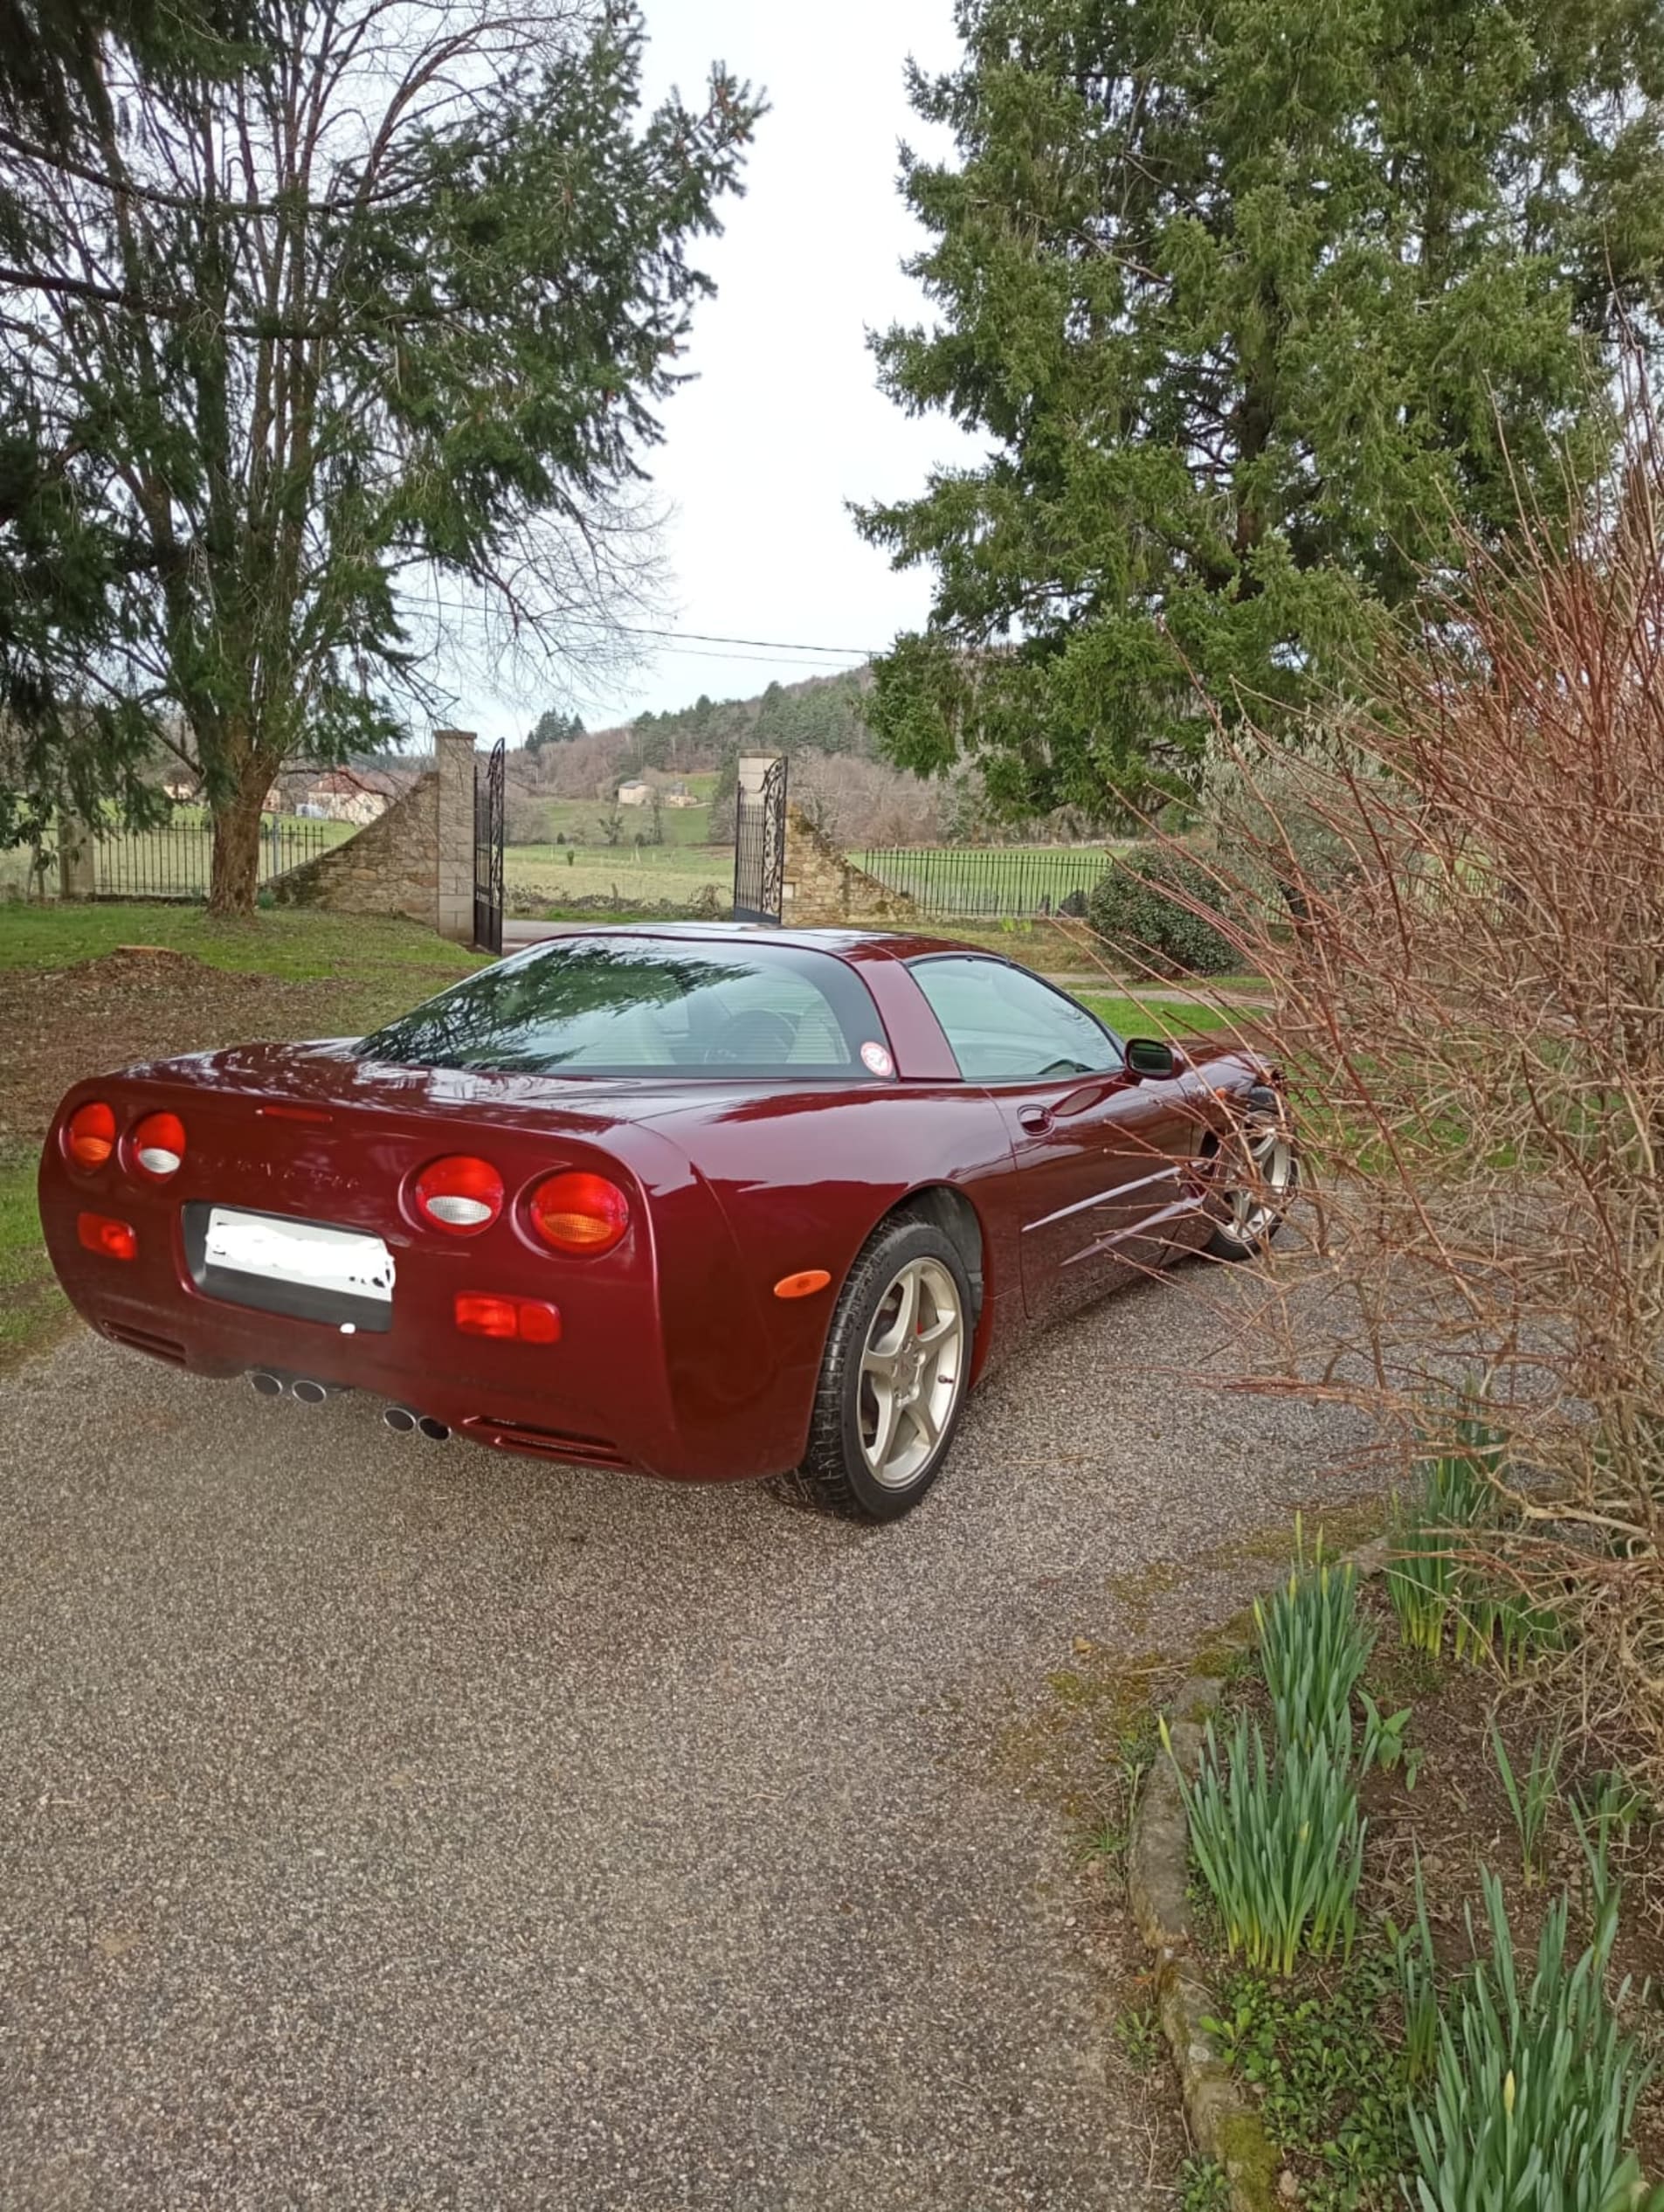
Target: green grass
<point x="581" y="820"/>
<point x="676" y="873"/>
<point x="33" y="1309"/>
<point x="279" y="942"/>
<point x="1153" y="1017"/>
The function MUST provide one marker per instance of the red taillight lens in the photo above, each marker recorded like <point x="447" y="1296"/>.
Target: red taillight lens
<point x="579" y="1212"/>
<point x="531" y="1320"/>
<point x="460" y="1194"/>
<point x="90" y="1138"/>
<point x="159" y="1146"/>
<point x="115" y="1239"/>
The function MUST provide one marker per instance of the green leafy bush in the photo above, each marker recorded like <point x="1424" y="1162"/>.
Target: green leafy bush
<point x="1143" y="906"/>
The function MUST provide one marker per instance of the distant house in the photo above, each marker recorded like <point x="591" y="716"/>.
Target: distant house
<point x="635" y="792"/>
<point x="181" y="783"/>
<point x="355" y="795"/>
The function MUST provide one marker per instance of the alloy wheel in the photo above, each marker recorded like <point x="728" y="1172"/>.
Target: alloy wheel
<point x="1260" y="1201"/>
<point x="911" y="1372"/>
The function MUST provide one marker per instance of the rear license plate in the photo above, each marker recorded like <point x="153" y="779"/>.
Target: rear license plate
<point x="304" y="1269"/>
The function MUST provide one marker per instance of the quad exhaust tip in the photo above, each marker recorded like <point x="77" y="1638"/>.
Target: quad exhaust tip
<point x="309" y="1392"/>
<point x="406" y="1422"/>
<point x="267" y="1384"/>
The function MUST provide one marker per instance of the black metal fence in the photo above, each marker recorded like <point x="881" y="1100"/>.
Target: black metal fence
<point x="994" y="883"/>
<point x="175" y="861"/>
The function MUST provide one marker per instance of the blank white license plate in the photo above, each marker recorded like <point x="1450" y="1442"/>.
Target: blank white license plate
<point x="300" y="1253"/>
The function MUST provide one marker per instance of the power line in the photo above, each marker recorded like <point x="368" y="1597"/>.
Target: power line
<point x="779" y="644"/>
<point x="695" y="637"/>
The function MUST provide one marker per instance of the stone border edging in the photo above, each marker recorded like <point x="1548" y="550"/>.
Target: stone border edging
<point x="1223" y="2124"/>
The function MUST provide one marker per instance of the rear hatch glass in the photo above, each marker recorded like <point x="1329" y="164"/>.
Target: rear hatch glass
<point x="623" y="1005"/>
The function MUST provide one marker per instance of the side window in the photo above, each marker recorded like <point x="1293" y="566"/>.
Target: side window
<point x="1004" y="1025"/>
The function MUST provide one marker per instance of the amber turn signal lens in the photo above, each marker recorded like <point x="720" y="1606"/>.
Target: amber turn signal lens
<point x="159" y="1146"/>
<point x="579" y="1213"/>
<point x="459" y="1195"/>
<point x="115" y="1239"/>
<point x="803" y="1285"/>
<point x="532" y="1320"/>
<point x="90" y="1138"/>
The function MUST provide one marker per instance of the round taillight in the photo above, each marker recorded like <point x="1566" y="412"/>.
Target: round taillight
<point x="159" y="1146"/>
<point x="579" y="1213"/>
<point x="90" y="1138"/>
<point x="460" y="1194"/>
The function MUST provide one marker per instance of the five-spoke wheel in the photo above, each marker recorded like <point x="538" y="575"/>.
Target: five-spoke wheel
<point x="1260" y="1173"/>
<point x="893" y="1381"/>
<point x="911" y="1371"/>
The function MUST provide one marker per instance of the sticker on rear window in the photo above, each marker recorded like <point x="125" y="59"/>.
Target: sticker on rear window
<point x="876" y="1060"/>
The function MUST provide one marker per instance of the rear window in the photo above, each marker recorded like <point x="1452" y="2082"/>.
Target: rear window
<point x="620" y="1006"/>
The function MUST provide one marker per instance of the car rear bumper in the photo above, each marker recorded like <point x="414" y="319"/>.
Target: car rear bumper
<point x="621" y="1389"/>
<point x="507" y="1398"/>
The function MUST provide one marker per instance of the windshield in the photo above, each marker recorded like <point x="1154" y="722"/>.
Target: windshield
<point x="620" y="1006"/>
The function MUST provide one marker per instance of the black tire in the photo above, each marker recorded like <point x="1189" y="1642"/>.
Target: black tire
<point x="834" y="1476"/>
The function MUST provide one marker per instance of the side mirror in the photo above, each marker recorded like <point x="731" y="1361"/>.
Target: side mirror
<point x="1150" y="1056"/>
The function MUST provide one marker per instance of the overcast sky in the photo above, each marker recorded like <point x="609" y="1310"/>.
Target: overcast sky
<point x="783" y="424"/>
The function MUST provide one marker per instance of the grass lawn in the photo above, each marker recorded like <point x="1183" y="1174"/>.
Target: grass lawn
<point x="580" y="820"/>
<point x="281" y="942"/>
<point x="1153" y="1017"/>
<point x="675" y="873"/>
<point x="282" y="974"/>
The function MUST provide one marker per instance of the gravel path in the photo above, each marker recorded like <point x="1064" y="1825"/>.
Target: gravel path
<point x="384" y="1824"/>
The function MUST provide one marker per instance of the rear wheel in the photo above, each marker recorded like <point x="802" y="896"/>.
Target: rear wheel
<point x="892" y="1381"/>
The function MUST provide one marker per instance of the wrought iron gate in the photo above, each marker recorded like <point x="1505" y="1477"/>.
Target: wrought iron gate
<point x="760" y="838"/>
<point x="488" y="849"/>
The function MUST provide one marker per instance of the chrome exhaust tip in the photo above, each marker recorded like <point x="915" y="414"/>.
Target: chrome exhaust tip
<point x="308" y="1392"/>
<point x="435" y="1431"/>
<point x="267" y="1384"/>
<point x="399" y="1418"/>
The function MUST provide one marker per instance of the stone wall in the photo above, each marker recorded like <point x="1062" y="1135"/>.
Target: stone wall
<point x="415" y="860"/>
<point x="822" y="889"/>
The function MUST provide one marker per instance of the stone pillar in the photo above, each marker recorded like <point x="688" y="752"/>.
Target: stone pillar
<point x="77" y="878"/>
<point x="453" y="889"/>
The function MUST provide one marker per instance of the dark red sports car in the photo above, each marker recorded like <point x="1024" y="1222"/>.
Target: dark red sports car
<point x="708" y="1203"/>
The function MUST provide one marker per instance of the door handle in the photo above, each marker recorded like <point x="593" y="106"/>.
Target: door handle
<point x="1037" y="1118"/>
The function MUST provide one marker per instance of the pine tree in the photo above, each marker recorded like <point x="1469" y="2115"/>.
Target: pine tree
<point x="1251" y="301"/>
<point x="66" y="744"/>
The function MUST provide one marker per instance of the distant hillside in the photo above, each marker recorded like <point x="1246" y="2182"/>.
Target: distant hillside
<point x="836" y="774"/>
<point x="822" y="715"/>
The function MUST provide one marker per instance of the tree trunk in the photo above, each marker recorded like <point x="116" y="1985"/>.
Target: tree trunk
<point x="236" y="844"/>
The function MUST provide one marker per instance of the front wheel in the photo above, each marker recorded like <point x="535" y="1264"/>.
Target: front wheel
<point x="892" y="1381"/>
<point x="1259" y="1174"/>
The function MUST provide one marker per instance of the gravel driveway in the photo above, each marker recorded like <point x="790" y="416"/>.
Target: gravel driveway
<point x="385" y="1824"/>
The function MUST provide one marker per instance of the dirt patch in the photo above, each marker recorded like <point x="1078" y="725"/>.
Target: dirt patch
<point x="141" y="1003"/>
